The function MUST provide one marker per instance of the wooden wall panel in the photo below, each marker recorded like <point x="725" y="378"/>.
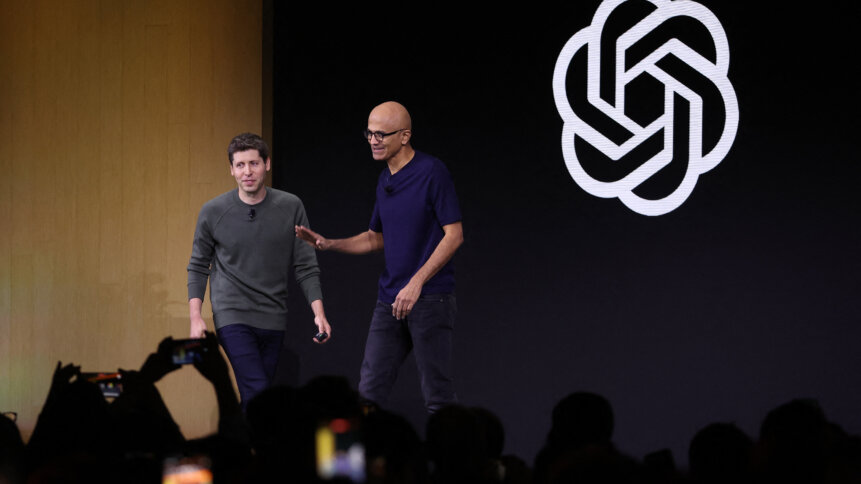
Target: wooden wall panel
<point x="115" y="118"/>
<point x="6" y="53"/>
<point x="19" y="101"/>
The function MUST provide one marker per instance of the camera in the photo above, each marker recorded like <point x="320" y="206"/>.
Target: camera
<point x="110" y="383"/>
<point x="187" y="351"/>
<point x="340" y="452"/>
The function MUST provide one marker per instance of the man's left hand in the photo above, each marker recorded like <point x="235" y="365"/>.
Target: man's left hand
<point x="406" y="299"/>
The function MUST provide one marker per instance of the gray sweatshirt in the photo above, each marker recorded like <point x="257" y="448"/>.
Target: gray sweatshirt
<point x="246" y="252"/>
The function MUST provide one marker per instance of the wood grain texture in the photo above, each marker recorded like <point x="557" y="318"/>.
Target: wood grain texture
<point x="115" y="118"/>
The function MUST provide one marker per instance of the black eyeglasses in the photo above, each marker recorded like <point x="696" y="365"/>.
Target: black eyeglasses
<point x="379" y="135"/>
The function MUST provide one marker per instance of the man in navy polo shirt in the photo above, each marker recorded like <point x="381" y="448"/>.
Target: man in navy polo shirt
<point x="417" y="223"/>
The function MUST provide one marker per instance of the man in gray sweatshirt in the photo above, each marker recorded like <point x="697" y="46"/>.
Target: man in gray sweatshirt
<point x="245" y="246"/>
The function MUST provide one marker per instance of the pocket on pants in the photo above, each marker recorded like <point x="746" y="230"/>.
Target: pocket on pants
<point x="442" y="307"/>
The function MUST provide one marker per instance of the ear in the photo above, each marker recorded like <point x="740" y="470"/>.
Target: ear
<point x="406" y="137"/>
<point x="268" y="163"/>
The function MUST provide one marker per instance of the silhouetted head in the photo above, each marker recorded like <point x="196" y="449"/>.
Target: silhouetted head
<point x="81" y="417"/>
<point x="142" y="424"/>
<point x="328" y="397"/>
<point x="393" y="449"/>
<point x="272" y="416"/>
<point x="493" y="430"/>
<point x="793" y="440"/>
<point x="581" y="418"/>
<point x="720" y="452"/>
<point x="74" y="427"/>
<point x="456" y="445"/>
<point x="282" y="435"/>
<point x="11" y="452"/>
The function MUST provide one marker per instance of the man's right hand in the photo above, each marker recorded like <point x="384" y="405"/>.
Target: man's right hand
<point x="198" y="328"/>
<point x="313" y="239"/>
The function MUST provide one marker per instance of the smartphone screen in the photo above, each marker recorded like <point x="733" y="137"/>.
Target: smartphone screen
<point x="340" y="453"/>
<point x="187" y="470"/>
<point x="187" y="351"/>
<point x="110" y="383"/>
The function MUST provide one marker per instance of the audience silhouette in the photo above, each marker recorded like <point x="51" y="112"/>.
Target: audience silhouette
<point x="11" y="451"/>
<point x="579" y="445"/>
<point x="81" y="437"/>
<point x="720" y="452"/>
<point x="393" y="450"/>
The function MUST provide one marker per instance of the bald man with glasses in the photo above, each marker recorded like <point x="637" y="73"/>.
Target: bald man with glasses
<point x="416" y="222"/>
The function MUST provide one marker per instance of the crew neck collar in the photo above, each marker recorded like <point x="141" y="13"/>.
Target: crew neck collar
<point x="239" y="199"/>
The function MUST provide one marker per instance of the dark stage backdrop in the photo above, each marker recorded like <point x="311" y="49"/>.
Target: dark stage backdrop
<point x="743" y="297"/>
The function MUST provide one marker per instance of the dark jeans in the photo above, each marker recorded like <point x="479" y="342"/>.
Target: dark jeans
<point x="428" y="332"/>
<point x="253" y="354"/>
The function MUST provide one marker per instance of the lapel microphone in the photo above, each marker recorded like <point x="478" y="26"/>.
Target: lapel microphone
<point x="251" y="214"/>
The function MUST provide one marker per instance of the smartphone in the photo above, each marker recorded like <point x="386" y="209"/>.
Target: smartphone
<point x="110" y="383"/>
<point x="340" y="452"/>
<point x="186" y="351"/>
<point x="196" y="469"/>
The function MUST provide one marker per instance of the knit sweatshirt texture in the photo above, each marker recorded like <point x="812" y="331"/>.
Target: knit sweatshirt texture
<point x="247" y="252"/>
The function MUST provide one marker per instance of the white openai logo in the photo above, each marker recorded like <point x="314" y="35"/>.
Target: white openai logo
<point x="608" y="64"/>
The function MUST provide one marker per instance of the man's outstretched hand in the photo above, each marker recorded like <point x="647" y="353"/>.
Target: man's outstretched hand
<point x="312" y="238"/>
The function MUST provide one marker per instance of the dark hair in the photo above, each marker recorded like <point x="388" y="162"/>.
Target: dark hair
<point x="245" y="142"/>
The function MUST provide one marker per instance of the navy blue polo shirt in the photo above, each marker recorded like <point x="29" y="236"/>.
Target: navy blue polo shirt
<point x="412" y="207"/>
